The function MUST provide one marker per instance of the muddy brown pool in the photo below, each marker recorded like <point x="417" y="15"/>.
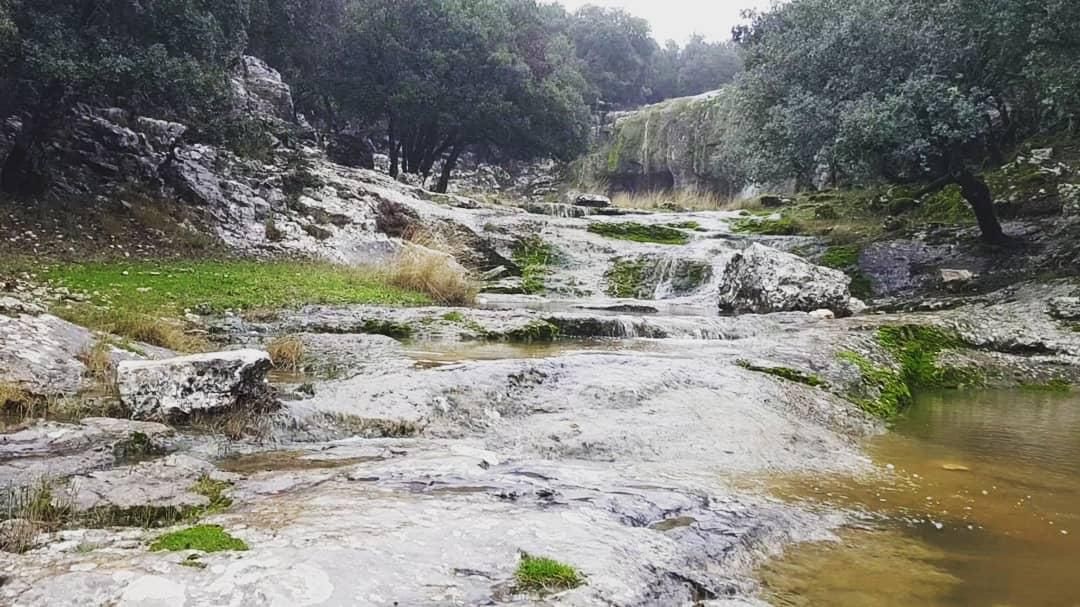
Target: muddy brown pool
<point x="977" y="503"/>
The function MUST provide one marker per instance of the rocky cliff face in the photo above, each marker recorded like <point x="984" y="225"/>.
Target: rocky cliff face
<point x="682" y="144"/>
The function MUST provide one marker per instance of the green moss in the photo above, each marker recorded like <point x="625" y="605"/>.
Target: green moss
<point x="841" y="257"/>
<point x="544" y="575"/>
<point x="946" y="206"/>
<point x="534" y="257"/>
<point x="785" y="373"/>
<point x="1054" y="385"/>
<point x="389" y="328"/>
<point x="136" y="447"/>
<point x="454" y="317"/>
<point x="685" y="225"/>
<point x="625" y="278"/>
<point x="785" y="226"/>
<point x="916" y="349"/>
<point x="204" y="538"/>
<point x="891" y="392"/>
<point x="535" y="331"/>
<point x="861" y="286"/>
<point x="213" y="490"/>
<point x="637" y="232"/>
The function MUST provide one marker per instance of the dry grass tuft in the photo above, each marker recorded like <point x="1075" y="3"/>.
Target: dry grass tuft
<point x="674" y="200"/>
<point x="286" y="352"/>
<point x="437" y="274"/>
<point x="28" y="511"/>
<point x="17" y="401"/>
<point x="99" y="363"/>
<point x="165" y="333"/>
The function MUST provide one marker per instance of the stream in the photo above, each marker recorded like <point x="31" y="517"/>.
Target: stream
<point x="978" y="504"/>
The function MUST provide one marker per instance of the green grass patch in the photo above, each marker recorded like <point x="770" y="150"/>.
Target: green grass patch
<point x="637" y="232"/>
<point x="841" y="257"/>
<point x="533" y="256"/>
<point x="131" y="298"/>
<point x="204" y="538"/>
<point x="1059" y="386"/>
<point x="213" y="490"/>
<point x="625" y="278"/>
<point x="544" y="575"/>
<point x="789" y="374"/>
<point x="785" y="226"/>
<point x="170" y="287"/>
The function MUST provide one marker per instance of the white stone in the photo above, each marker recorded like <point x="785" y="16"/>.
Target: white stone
<point x="823" y="314"/>
<point x="761" y="280"/>
<point x="203" y="382"/>
<point x="955" y="277"/>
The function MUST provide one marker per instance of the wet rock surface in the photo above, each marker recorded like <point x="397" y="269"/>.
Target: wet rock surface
<point x="762" y="280"/>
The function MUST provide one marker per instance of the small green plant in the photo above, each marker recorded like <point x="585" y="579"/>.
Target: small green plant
<point x="785" y="226"/>
<point x="534" y="257"/>
<point x="213" y="490"/>
<point x="204" y="538"/>
<point x="625" y="278"/>
<point x="637" y="232"/>
<point x="454" y="317"/>
<point x="543" y="575"/>
<point x="841" y="257"/>
<point x="784" y="373"/>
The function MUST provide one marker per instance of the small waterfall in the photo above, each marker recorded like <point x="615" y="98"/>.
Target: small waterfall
<point x="664" y="273"/>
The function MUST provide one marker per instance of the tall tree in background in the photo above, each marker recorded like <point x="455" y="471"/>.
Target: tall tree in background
<point x="165" y="57"/>
<point x="447" y="74"/>
<point x="906" y="91"/>
<point x="617" y="50"/>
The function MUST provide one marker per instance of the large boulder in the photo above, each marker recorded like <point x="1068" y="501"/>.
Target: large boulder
<point x="761" y="280"/>
<point x="259" y="89"/>
<point x="189" y="384"/>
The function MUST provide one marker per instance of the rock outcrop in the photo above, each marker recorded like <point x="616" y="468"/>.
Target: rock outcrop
<point x="205" y="383"/>
<point x="761" y="280"/>
<point x="259" y="89"/>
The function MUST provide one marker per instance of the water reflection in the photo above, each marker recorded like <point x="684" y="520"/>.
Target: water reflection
<point x="978" y="503"/>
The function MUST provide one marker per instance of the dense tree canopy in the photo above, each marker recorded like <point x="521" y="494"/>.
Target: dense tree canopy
<point x="168" y="57"/>
<point x="906" y="91"/>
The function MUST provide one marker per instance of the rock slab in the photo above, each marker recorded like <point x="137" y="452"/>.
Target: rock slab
<point x="200" y="383"/>
<point x="762" y="280"/>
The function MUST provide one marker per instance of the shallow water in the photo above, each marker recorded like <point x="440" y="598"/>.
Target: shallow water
<point x="977" y="503"/>
<point x="441" y="353"/>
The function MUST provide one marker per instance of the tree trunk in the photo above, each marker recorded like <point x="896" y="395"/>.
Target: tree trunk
<point x="392" y="141"/>
<point x="448" y="168"/>
<point x="978" y="195"/>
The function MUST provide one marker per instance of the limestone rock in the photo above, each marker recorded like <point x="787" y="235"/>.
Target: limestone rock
<point x="260" y="89"/>
<point x="822" y="315"/>
<point x="956" y="278"/>
<point x="199" y="383"/>
<point x="592" y="201"/>
<point x="1065" y="308"/>
<point x="762" y="280"/>
<point x="10" y="306"/>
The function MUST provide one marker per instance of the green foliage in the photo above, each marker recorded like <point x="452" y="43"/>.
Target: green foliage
<point x="841" y="257"/>
<point x="946" y="206"/>
<point x="789" y="374"/>
<point x="204" y="538"/>
<point x="685" y="225"/>
<point x="785" y="226"/>
<point x="625" y="278"/>
<point x="533" y="256"/>
<point x="637" y="232"/>
<point x="917" y="347"/>
<point x="544" y="575"/>
<point x="892" y="394"/>
<point x="168" y="288"/>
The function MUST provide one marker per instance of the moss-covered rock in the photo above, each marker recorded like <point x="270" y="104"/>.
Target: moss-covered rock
<point x="637" y="232"/>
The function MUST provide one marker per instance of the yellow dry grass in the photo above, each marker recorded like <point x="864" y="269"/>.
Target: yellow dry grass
<point x="691" y="200"/>
<point x="435" y="273"/>
<point x="287" y="353"/>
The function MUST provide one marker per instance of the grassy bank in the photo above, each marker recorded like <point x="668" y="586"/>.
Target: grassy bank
<point x="137" y="299"/>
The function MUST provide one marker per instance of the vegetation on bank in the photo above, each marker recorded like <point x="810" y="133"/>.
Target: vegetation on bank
<point x="544" y="575"/>
<point x="534" y="257"/>
<point x="137" y="300"/>
<point x="636" y="232"/>
<point x="793" y="375"/>
<point x="915" y="351"/>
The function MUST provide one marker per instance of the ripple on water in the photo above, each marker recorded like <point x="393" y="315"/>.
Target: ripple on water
<point x="978" y="503"/>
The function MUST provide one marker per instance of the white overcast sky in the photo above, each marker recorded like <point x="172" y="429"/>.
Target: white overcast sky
<point x="679" y="19"/>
